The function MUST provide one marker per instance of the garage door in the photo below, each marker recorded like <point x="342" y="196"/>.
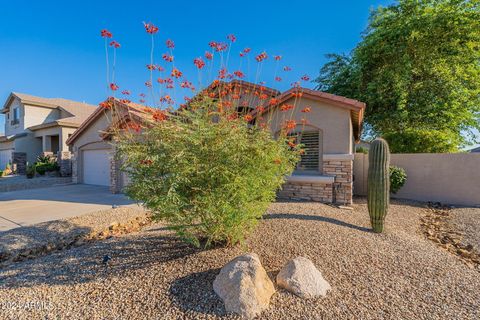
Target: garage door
<point x="96" y="167"/>
<point x="5" y="158"/>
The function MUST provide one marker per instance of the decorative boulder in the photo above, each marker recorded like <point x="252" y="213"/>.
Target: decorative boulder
<point x="302" y="278"/>
<point x="244" y="286"/>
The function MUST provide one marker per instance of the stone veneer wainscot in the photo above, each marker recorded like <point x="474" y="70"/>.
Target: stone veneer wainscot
<point x="334" y="186"/>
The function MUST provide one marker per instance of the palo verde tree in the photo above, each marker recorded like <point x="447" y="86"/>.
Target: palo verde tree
<point x="418" y="69"/>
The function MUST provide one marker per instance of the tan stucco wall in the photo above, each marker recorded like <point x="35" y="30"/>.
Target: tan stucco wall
<point x="90" y="139"/>
<point x="7" y="145"/>
<point x="35" y="115"/>
<point x="62" y="133"/>
<point x="92" y="133"/>
<point x="66" y="132"/>
<point x="334" y="121"/>
<point x="29" y="116"/>
<point x="18" y="128"/>
<point x="30" y="145"/>
<point x="452" y="178"/>
<point x="52" y="131"/>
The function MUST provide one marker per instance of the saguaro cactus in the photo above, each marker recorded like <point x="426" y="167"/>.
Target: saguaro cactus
<point x="378" y="183"/>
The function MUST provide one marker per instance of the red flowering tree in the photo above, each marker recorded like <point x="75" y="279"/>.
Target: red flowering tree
<point x="208" y="175"/>
<point x="208" y="167"/>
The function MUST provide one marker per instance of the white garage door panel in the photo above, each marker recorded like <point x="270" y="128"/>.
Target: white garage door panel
<point x="96" y="167"/>
<point x="5" y="158"/>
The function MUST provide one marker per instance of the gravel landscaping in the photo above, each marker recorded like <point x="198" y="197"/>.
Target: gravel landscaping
<point x="468" y="222"/>
<point x="152" y="275"/>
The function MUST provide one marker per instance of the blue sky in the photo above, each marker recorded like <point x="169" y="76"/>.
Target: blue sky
<point x="53" y="48"/>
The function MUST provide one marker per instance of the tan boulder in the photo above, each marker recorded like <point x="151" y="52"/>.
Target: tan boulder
<point x="302" y="278"/>
<point x="244" y="286"/>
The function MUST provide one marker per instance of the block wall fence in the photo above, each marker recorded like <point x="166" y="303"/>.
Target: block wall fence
<point x="450" y="178"/>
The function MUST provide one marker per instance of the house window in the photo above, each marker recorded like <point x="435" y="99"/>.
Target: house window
<point x="16" y="116"/>
<point x="311" y="159"/>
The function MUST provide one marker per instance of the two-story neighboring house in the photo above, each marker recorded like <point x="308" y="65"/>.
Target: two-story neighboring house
<point x="34" y="125"/>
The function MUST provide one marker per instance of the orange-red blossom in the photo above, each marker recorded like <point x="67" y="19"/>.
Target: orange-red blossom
<point x="286" y="107"/>
<point x="160" y="115"/>
<point x="290" y="124"/>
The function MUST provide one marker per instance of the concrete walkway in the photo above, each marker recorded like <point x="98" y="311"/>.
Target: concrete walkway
<point x="27" y="207"/>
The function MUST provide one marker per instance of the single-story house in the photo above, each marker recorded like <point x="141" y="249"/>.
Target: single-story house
<point x="328" y="126"/>
<point x="328" y="131"/>
<point x="36" y="125"/>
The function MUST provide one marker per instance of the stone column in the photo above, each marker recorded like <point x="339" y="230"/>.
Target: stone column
<point x="341" y="167"/>
<point x="19" y="159"/>
<point x="115" y="185"/>
<point x="74" y="161"/>
<point x="64" y="160"/>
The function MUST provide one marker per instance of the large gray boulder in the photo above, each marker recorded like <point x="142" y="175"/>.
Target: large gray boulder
<point x="244" y="286"/>
<point x="302" y="278"/>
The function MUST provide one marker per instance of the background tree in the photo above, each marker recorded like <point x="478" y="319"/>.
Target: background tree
<point x="418" y="69"/>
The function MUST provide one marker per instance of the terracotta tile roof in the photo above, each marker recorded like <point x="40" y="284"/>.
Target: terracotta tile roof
<point x="238" y="84"/>
<point x="357" y="108"/>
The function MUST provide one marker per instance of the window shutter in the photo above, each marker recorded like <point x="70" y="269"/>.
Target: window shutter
<point x="310" y="159"/>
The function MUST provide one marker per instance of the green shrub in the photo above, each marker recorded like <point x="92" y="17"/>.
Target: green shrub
<point x="30" y="171"/>
<point x="53" y="166"/>
<point x="398" y="177"/>
<point x="44" y="159"/>
<point x="41" y="168"/>
<point x="45" y="164"/>
<point x="415" y="140"/>
<point x="361" y="149"/>
<point x="208" y="180"/>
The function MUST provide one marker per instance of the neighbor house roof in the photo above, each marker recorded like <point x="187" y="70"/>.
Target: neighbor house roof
<point x="475" y="149"/>
<point x="12" y="137"/>
<point x="133" y="110"/>
<point x="79" y="111"/>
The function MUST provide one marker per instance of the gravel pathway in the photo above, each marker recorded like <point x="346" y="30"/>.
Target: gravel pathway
<point x="396" y="275"/>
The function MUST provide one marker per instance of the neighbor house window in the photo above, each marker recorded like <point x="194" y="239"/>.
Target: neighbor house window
<point x="311" y="159"/>
<point x="16" y="116"/>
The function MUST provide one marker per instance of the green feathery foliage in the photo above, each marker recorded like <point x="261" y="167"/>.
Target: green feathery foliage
<point x="210" y="177"/>
<point x="418" y="70"/>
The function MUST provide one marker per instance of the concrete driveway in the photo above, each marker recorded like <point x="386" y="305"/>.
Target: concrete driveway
<point x="26" y="207"/>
